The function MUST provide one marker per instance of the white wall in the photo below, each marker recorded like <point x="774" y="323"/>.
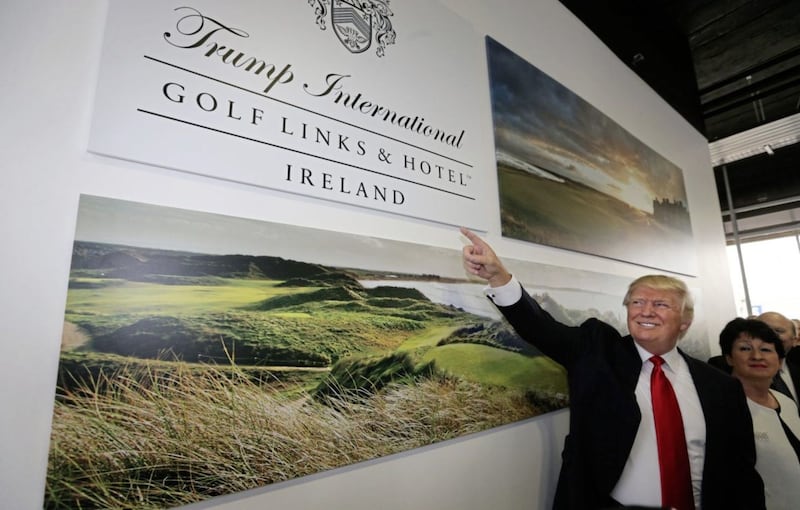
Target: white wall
<point x="50" y="61"/>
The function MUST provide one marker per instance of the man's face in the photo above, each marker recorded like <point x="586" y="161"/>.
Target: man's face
<point x="781" y="326"/>
<point x="654" y="319"/>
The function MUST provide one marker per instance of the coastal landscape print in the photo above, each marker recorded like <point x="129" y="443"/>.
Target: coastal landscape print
<point x="205" y="355"/>
<point x="570" y="177"/>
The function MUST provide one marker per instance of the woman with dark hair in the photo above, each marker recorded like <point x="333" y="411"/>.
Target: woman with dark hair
<point x="754" y="352"/>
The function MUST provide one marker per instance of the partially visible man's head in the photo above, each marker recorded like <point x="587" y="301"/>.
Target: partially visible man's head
<point x="782" y="327"/>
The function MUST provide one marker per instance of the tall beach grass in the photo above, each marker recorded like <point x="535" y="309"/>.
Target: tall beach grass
<point x="145" y="438"/>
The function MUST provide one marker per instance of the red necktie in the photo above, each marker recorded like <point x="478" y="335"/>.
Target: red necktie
<point x="673" y="459"/>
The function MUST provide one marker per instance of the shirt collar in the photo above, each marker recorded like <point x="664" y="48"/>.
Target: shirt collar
<point x="672" y="358"/>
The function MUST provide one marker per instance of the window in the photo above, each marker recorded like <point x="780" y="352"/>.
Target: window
<point x="772" y="271"/>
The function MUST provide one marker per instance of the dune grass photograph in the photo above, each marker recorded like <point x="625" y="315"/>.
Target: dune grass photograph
<point x="195" y="366"/>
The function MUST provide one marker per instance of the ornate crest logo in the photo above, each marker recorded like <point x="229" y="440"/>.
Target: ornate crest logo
<point x="357" y="22"/>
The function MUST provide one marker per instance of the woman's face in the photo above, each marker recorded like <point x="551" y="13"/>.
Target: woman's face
<point x="753" y="359"/>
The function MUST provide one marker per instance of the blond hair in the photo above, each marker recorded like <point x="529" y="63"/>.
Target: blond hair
<point x="665" y="283"/>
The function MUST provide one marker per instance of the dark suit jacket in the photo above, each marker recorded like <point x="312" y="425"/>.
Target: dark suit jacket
<point x="793" y="364"/>
<point x="719" y="362"/>
<point x="603" y="369"/>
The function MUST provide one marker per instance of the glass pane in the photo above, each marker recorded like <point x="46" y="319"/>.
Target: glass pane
<point x="772" y="269"/>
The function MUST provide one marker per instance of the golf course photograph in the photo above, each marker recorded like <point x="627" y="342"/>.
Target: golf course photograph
<point x="204" y="355"/>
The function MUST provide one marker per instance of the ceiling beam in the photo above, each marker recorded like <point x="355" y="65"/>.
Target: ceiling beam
<point x="776" y="134"/>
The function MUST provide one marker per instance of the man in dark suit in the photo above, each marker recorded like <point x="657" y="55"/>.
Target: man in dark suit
<point x="610" y="456"/>
<point x="787" y="380"/>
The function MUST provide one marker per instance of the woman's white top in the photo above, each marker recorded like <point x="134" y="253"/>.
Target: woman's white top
<point x="776" y="460"/>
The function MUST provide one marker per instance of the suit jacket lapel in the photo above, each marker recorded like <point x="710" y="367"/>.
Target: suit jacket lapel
<point x="779" y="384"/>
<point x="631" y="365"/>
<point x="706" y="389"/>
<point x="794" y="371"/>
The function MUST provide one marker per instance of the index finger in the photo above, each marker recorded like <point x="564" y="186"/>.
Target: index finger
<point x="472" y="236"/>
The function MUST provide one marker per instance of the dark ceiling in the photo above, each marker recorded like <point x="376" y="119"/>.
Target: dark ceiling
<point x="731" y="68"/>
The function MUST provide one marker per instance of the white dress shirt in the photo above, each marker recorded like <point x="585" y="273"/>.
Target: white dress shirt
<point x="505" y="295"/>
<point x="640" y="482"/>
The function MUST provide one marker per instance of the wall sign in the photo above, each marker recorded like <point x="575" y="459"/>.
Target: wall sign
<point x="353" y="102"/>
